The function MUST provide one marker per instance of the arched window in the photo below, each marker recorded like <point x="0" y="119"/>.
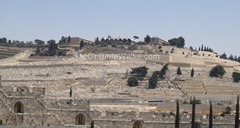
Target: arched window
<point x="80" y="119"/>
<point x="137" y="124"/>
<point x="18" y="107"/>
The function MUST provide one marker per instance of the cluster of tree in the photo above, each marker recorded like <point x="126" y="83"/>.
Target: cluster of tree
<point x="140" y="71"/>
<point x="217" y="71"/>
<point x="112" y="42"/>
<point x="235" y="58"/>
<point x="205" y="48"/>
<point x="16" y="43"/>
<point x="236" y="77"/>
<point x="178" y="42"/>
<point x="193" y="124"/>
<point x="137" y="73"/>
<point x="49" y="49"/>
<point x="179" y="72"/>
<point x="153" y="80"/>
<point x="231" y="57"/>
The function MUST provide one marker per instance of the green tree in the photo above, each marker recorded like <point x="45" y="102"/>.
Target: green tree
<point x="135" y="37"/>
<point x="177" y="119"/>
<point x="236" y="77"/>
<point x="52" y="47"/>
<point x="4" y="40"/>
<point x="69" y="39"/>
<point x="192" y="72"/>
<point x="217" y="71"/>
<point x="97" y="42"/>
<point x="132" y="82"/>
<point x="92" y="124"/>
<point x="163" y="71"/>
<point x="147" y="39"/>
<point x="140" y="71"/>
<point x="178" y="42"/>
<point x="210" y="116"/>
<point x="179" y="72"/>
<point x="223" y="56"/>
<point x="39" y="42"/>
<point x="237" y="114"/>
<point x="231" y="57"/>
<point x="193" y="113"/>
<point x="152" y="83"/>
<point x="81" y="44"/>
<point x="62" y="40"/>
<point x="181" y="42"/>
<point x="37" y="50"/>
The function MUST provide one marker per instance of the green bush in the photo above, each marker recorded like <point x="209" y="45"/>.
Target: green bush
<point x="140" y="71"/>
<point x="236" y="76"/>
<point x="132" y="82"/>
<point x="217" y="71"/>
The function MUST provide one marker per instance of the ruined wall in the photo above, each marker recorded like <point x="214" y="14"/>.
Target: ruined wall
<point x="24" y="107"/>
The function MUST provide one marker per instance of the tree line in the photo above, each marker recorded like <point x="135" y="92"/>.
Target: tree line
<point x="139" y="73"/>
<point x="210" y="118"/>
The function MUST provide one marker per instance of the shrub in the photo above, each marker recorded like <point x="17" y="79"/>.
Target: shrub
<point x="217" y="71"/>
<point x="132" y="82"/>
<point x="140" y="71"/>
<point x="152" y="83"/>
<point x="236" y="76"/>
<point x="179" y="72"/>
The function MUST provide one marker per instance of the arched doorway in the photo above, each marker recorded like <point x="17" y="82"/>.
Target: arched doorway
<point x="197" y="125"/>
<point x="18" y="107"/>
<point x="80" y="119"/>
<point x="137" y="124"/>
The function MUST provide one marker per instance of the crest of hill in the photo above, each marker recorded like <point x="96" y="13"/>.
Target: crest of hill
<point x="104" y="50"/>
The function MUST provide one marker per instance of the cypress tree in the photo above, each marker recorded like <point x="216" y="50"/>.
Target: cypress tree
<point x="192" y="73"/>
<point x="210" y="116"/>
<point x="193" y="112"/>
<point x="237" y="114"/>
<point x="177" y="119"/>
<point x="179" y="72"/>
<point x="92" y="124"/>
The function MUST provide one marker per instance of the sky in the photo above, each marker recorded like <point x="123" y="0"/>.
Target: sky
<point x="213" y="23"/>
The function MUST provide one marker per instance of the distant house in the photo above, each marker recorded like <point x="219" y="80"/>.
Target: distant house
<point x="157" y="41"/>
<point x="74" y="42"/>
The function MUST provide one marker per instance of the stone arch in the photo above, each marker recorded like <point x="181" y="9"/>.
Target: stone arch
<point x="137" y="124"/>
<point x="80" y="119"/>
<point x="18" y="107"/>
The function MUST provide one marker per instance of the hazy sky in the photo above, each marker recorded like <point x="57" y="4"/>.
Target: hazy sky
<point x="214" y="23"/>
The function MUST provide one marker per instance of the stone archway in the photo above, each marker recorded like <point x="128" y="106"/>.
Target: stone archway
<point x="197" y="125"/>
<point x="137" y="124"/>
<point x="18" y="107"/>
<point x="80" y="119"/>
